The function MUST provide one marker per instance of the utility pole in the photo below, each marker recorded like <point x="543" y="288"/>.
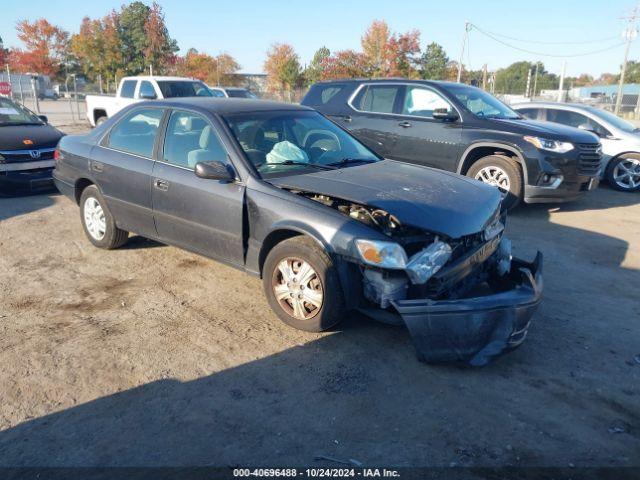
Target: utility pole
<point x="484" y="77"/>
<point x="561" y="88"/>
<point x="535" y="81"/>
<point x="528" y="89"/>
<point x="629" y="33"/>
<point x="467" y="27"/>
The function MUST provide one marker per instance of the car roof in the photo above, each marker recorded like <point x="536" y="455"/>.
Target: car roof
<point x="161" y="79"/>
<point x="578" y="106"/>
<point x="228" y="105"/>
<point x="390" y="80"/>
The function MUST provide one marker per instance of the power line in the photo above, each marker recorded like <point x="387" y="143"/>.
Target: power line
<point x="544" y="54"/>
<point x="542" y="42"/>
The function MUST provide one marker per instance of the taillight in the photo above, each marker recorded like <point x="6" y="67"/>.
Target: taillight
<point x="57" y="155"/>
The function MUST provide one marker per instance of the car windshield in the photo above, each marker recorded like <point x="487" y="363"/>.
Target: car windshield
<point x="13" y="114"/>
<point x="614" y="120"/>
<point x="481" y="103"/>
<point x="183" y="88"/>
<point x="280" y="143"/>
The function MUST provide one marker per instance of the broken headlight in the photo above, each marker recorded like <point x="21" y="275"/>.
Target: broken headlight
<point x="382" y="254"/>
<point x="428" y="261"/>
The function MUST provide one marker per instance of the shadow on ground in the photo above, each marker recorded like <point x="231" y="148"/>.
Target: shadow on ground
<point x="14" y="206"/>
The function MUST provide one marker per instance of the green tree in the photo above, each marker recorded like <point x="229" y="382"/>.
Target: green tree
<point x="433" y="63"/>
<point x="632" y="73"/>
<point x="313" y="73"/>
<point x="513" y="79"/>
<point x="144" y="38"/>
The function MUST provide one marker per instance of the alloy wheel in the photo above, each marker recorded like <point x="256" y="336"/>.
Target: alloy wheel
<point x="495" y="176"/>
<point x="94" y="218"/>
<point x="626" y="174"/>
<point x="297" y="288"/>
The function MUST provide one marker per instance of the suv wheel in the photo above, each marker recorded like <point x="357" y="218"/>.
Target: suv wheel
<point x="101" y="120"/>
<point x="624" y="174"/>
<point x="302" y="286"/>
<point x="501" y="172"/>
<point x="97" y="221"/>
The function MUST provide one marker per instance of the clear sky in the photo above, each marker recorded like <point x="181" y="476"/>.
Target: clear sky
<point x="246" y="28"/>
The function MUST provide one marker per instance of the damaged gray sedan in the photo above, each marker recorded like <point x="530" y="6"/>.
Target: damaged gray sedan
<point x="283" y="193"/>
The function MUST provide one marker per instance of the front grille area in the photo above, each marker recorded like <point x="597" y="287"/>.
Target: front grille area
<point x="590" y="158"/>
<point x="11" y="156"/>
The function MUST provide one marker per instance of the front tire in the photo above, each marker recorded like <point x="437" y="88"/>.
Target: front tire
<point x="624" y="174"/>
<point x="302" y="286"/>
<point x="97" y="221"/>
<point x="503" y="173"/>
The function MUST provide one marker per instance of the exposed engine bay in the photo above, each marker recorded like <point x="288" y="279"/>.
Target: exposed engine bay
<point x="435" y="268"/>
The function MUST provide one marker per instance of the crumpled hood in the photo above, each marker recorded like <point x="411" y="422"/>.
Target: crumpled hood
<point x="433" y="200"/>
<point x="42" y="136"/>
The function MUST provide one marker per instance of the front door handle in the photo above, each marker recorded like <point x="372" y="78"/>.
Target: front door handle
<point x="161" y="184"/>
<point x="346" y="118"/>
<point x="405" y="124"/>
<point x="97" y="166"/>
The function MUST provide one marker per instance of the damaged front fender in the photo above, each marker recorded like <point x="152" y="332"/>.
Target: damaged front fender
<point x="475" y="330"/>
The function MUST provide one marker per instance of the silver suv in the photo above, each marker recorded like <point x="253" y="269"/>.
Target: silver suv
<point x="620" y="139"/>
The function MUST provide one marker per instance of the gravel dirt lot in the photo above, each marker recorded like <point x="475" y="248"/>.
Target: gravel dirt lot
<point x="149" y="355"/>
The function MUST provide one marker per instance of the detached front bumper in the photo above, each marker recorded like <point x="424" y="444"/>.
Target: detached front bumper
<point x="475" y="330"/>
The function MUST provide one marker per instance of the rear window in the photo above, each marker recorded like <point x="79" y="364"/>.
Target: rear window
<point x="322" y="94"/>
<point x="377" y="98"/>
<point x="181" y="88"/>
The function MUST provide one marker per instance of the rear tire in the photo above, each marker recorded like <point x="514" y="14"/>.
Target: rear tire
<point x="620" y="174"/>
<point x="502" y="172"/>
<point x="98" y="223"/>
<point x="302" y="285"/>
<point x="101" y="120"/>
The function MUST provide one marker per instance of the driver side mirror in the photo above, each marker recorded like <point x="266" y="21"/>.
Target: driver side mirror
<point x="444" y="115"/>
<point x="214" y="171"/>
<point x="44" y="118"/>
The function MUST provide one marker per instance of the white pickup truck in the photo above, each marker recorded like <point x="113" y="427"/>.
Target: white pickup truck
<point x="137" y="89"/>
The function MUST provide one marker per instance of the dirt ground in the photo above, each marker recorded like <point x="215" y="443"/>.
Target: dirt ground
<point x="149" y="355"/>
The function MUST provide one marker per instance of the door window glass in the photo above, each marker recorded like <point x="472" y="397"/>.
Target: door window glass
<point x="377" y="98"/>
<point x="146" y="90"/>
<point x="574" y="119"/>
<point x="530" y="113"/>
<point x="128" y="88"/>
<point x="422" y="102"/>
<point x="136" y="133"/>
<point x="191" y="139"/>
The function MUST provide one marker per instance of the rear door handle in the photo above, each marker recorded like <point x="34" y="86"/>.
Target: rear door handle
<point x="97" y="166"/>
<point x="161" y="184"/>
<point x="346" y="118"/>
<point x="404" y="124"/>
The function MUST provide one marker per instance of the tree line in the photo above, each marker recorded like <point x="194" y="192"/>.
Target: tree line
<point x="131" y="40"/>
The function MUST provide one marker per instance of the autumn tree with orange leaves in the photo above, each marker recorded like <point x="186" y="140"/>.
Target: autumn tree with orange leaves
<point x="384" y="54"/>
<point x="46" y="48"/>
<point x="282" y="67"/>
<point x="216" y="70"/>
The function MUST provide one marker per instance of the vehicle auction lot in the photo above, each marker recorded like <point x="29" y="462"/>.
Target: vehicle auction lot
<point x="149" y="355"/>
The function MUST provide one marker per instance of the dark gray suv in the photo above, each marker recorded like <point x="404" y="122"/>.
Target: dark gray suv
<point x="463" y="129"/>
